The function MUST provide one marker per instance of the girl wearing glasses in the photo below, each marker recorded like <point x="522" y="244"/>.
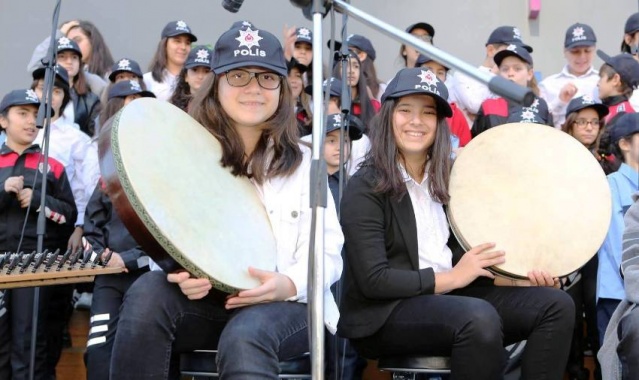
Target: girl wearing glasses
<point x="247" y="105"/>
<point x="585" y="122"/>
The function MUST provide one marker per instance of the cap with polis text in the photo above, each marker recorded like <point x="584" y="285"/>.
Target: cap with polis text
<point x="334" y="122"/>
<point x="411" y="81"/>
<point x="65" y="44"/>
<point x="125" y="65"/>
<point x="579" y="35"/>
<point x="248" y="47"/>
<point x="304" y="35"/>
<point x="178" y="28"/>
<point x="19" y="98"/>
<point x="506" y="35"/>
<point x="198" y="56"/>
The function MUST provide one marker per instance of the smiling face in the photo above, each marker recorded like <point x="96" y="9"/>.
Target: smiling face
<point x="177" y="49"/>
<point x="20" y="126"/>
<point x="248" y="106"/>
<point x="580" y="59"/>
<point x="415" y="125"/>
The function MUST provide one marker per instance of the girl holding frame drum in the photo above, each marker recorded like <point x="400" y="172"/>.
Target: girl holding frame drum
<point x="247" y="105"/>
<point x="406" y="276"/>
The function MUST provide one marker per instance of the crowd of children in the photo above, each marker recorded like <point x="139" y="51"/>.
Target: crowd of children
<point x="388" y="152"/>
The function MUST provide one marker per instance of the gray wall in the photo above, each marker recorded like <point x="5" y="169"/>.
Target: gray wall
<point x="132" y="27"/>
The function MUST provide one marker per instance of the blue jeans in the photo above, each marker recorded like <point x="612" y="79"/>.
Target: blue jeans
<point x="158" y="322"/>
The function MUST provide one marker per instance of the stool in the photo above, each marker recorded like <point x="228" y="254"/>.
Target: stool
<point x="201" y="364"/>
<point x="406" y="367"/>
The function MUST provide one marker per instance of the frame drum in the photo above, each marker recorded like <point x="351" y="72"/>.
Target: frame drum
<point x="163" y="174"/>
<point x="536" y="192"/>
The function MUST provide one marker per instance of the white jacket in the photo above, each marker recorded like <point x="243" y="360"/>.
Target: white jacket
<point x="71" y="147"/>
<point x="287" y="204"/>
<point x="164" y="90"/>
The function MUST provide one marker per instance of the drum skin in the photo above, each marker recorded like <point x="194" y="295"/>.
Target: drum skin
<point x="536" y="192"/>
<point x="163" y="175"/>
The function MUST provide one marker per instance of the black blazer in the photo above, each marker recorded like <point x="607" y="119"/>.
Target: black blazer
<point x="382" y="264"/>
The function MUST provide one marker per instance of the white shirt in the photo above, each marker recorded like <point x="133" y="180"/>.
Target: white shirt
<point x="634" y="100"/>
<point x="469" y="93"/>
<point x="359" y="148"/>
<point x="550" y="87"/>
<point x="70" y="147"/>
<point x="164" y="90"/>
<point x="432" y="227"/>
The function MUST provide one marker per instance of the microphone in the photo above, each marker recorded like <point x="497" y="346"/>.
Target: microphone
<point x="232" y="5"/>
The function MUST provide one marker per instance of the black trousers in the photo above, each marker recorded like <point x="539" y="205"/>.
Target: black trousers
<point x="584" y="294"/>
<point x="108" y="294"/>
<point x="472" y="325"/>
<point x="15" y="335"/>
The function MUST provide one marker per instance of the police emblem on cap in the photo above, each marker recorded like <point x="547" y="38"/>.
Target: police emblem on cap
<point x="516" y="34"/>
<point x="429" y="79"/>
<point x="181" y="25"/>
<point x="135" y="86"/>
<point x="337" y="118"/>
<point x="202" y="56"/>
<point x="587" y="99"/>
<point x="124" y="64"/>
<point x="512" y="47"/>
<point x="303" y="32"/>
<point x="64" y="43"/>
<point x="578" y="34"/>
<point x="249" y="38"/>
<point x="31" y="96"/>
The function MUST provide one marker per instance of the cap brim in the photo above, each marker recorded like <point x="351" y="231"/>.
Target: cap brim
<point x="191" y="35"/>
<point x="499" y="57"/>
<point x="116" y="72"/>
<point x="604" y="57"/>
<point x="602" y="110"/>
<point x="196" y="64"/>
<point x="580" y="43"/>
<point x="422" y="25"/>
<point x="443" y="107"/>
<point x="236" y="65"/>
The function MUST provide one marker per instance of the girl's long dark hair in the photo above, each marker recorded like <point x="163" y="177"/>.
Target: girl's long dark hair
<point x="385" y="156"/>
<point x="159" y="61"/>
<point x="112" y="107"/>
<point x="364" y="100"/>
<point x="182" y="93"/>
<point x="278" y="144"/>
<point x="101" y="60"/>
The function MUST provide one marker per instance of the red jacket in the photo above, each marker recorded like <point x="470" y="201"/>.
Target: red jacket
<point x="458" y="125"/>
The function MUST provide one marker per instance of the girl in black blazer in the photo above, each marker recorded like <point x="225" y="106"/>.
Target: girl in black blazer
<point x="409" y="288"/>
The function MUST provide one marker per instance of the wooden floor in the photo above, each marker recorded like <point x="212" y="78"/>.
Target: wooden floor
<point x="71" y="365"/>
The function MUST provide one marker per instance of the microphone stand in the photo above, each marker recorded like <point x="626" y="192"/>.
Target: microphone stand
<point x="44" y="121"/>
<point x="318" y="189"/>
<point x="318" y="202"/>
